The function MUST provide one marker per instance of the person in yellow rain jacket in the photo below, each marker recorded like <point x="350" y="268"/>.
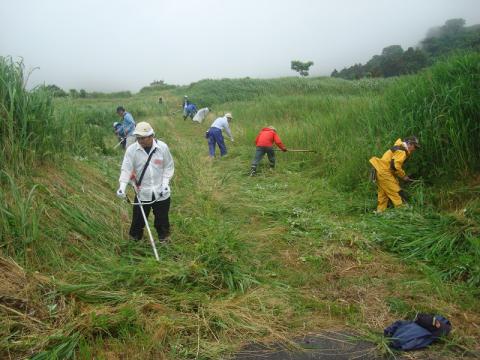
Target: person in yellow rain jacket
<point x="389" y="168"/>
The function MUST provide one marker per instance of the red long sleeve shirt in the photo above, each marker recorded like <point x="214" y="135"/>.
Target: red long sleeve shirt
<point x="267" y="137"/>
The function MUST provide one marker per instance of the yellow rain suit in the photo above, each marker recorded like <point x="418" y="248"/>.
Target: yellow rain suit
<point x="388" y="168"/>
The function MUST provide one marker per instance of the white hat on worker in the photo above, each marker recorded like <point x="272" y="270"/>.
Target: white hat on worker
<point x="228" y="115"/>
<point x="143" y="129"/>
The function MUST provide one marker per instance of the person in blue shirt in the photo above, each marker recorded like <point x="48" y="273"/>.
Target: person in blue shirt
<point x="190" y="111"/>
<point x="127" y="127"/>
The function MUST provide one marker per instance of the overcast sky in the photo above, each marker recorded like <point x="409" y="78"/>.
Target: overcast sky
<point x="108" y="45"/>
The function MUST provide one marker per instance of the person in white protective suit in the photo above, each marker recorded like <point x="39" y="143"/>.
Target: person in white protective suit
<point x="201" y="115"/>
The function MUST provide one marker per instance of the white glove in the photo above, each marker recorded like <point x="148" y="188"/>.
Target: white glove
<point x="165" y="190"/>
<point x="121" y="194"/>
<point x="231" y="139"/>
<point x="121" y="190"/>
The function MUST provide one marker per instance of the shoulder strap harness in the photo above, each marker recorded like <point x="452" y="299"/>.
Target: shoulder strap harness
<point x="139" y="181"/>
<point x="393" y="149"/>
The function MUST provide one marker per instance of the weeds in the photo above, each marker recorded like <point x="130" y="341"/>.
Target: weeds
<point x="260" y="259"/>
<point x="451" y="245"/>
<point x="19" y="218"/>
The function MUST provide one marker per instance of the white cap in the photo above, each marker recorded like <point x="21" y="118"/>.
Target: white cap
<point x="228" y="115"/>
<point x="143" y="129"/>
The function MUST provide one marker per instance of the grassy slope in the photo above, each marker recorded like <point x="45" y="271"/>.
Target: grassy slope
<point x="264" y="258"/>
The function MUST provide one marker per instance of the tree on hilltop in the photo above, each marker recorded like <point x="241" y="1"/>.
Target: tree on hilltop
<point x="301" y="67"/>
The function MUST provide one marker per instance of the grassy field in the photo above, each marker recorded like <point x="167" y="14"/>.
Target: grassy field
<point x="289" y="252"/>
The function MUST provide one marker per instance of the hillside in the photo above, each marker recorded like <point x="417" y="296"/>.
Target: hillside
<point x="287" y="253"/>
<point x="439" y="42"/>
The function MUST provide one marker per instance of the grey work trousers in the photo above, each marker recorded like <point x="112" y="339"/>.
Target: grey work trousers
<point x="261" y="151"/>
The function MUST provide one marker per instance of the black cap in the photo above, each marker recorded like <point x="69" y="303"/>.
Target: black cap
<point x="120" y="108"/>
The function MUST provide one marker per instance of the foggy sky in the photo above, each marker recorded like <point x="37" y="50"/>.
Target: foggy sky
<point x="108" y="45"/>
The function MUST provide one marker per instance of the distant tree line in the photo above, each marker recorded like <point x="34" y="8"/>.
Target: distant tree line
<point x="156" y="85"/>
<point x="82" y="93"/>
<point x="394" y="61"/>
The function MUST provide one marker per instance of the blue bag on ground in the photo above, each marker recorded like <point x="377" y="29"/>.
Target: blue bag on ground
<point x="420" y="333"/>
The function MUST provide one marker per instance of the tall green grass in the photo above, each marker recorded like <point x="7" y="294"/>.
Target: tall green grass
<point x="26" y="118"/>
<point x="450" y="244"/>
<point x="248" y="256"/>
<point x="34" y="129"/>
<point x="442" y="107"/>
<point x="19" y="219"/>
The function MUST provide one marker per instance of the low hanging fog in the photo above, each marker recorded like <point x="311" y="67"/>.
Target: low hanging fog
<point x="123" y="45"/>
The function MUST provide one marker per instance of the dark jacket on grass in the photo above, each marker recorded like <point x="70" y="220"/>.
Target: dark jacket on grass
<point x="411" y="335"/>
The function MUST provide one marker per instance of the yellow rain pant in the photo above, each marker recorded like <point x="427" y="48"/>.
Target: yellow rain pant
<point x="388" y="168"/>
<point x="388" y="189"/>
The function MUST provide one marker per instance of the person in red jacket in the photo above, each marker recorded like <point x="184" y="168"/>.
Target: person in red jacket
<point x="264" y="143"/>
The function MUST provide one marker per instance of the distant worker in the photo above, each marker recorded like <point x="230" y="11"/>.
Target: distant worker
<point x="201" y="115"/>
<point x="214" y="134"/>
<point x="116" y="128"/>
<point x="190" y="111"/>
<point x="128" y="126"/>
<point x="264" y="142"/>
<point x="389" y="168"/>
<point x="151" y="178"/>
<point x="184" y="105"/>
<point x="160" y="100"/>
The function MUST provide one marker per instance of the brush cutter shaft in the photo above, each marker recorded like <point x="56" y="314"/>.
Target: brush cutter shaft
<point x="119" y="143"/>
<point x="152" y="242"/>
<point x="295" y="150"/>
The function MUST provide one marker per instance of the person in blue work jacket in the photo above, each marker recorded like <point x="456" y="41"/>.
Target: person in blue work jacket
<point x="214" y="134"/>
<point x="127" y="127"/>
<point x="117" y="128"/>
<point x="190" y="111"/>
